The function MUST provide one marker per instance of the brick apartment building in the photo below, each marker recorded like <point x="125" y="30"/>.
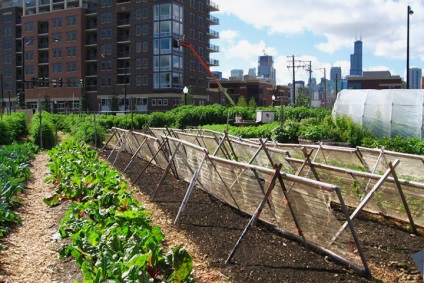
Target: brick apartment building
<point x="72" y="50"/>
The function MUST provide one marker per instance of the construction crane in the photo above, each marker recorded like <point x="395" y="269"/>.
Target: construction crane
<point x="182" y="42"/>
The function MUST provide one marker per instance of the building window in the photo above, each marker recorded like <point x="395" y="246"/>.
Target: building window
<point x="165" y="11"/>
<point x="29" y="26"/>
<point x="71" y="36"/>
<point x="7" y="45"/>
<point x="105" y="3"/>
<point x="57" y="22"/>
<point x="165" y="63"/>
<point x="138" y="80"/>
<point x="138" y="63"/>
<point x="159" y="102"/>
<point x="192" y="33"/>
<point x="71" y="51"/>
<point x="7" y="31"/>
<point x="138" y="46"/>
<point x="71" y="20"/>
<point x="138" y="29"/>
<point x="145" y="29"/>
<point x="57" y="52"/>
<point x="153" y="102"/>
<point x="71" y="67"/>
<point x="165" y="46"/>
<point x="57" y="68"/>
<point x="106" y="49"/>
<point x="145" y="63"/>
<point x="145" y="46"/>
<point x="106" y="33"/>
<point x="106" y="18"/>
<point x="106" y="65"/>
<point x="165" y="102"/>
<point x="145" y="80"/>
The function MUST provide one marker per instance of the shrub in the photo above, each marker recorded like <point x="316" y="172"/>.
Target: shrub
<point x="48" y="130"/>
<point x="90" y="133"/>
<point x="286" y="133"/>
<point x="13" y="128"/>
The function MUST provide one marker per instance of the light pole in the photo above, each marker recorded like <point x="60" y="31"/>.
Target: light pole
<point x="273" y="100"/>
<point x="185" y="91"/>
<point x="409" y="12"/>
<point x="125" y="79"/>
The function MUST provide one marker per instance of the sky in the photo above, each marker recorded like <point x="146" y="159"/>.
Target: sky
<point x="322" y="32"/>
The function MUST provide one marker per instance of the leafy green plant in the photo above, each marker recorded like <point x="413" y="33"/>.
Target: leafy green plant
<point x="14" y="171"/>
<point x="111" y="237"/>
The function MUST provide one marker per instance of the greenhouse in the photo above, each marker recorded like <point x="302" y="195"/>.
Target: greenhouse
<point x="388" y="112"/>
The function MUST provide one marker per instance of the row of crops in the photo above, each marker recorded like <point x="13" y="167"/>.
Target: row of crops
<point x="111" y="236"/>
<point x="15" y="160"/>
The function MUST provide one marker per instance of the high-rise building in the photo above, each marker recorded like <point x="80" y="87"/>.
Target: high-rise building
<point x="75" y="50"/>
<point x="237" y="73"/>
<point x="252" y="72"/>
<point x="356" y="59"/>
<point x="266" y="68"/>
<point x="415" y="75"/>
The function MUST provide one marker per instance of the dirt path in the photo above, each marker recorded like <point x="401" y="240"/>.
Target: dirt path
<point x="29" y="253"/>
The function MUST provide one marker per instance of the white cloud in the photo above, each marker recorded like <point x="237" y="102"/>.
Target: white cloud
<point x="381" y="23"/>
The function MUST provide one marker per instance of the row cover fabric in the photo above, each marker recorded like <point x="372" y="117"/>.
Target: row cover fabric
<point x="387" y="112"/>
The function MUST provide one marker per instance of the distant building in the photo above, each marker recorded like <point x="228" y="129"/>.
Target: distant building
<point x="217" y="75"/>
<point x="335" y="73"/>
<point x="257" y="89"/>
<point x="237" y="73"/>
<point x="374" y="80"/>
<point x="266" y="68"/>
<point x="252" y="72"/>
<point x="356" y="59"/>
<point x="415" y="76"/>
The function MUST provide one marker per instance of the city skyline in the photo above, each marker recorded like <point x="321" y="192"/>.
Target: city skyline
<point x="324" y="34"/>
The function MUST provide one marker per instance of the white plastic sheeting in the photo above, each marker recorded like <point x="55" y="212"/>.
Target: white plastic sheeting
<point x="388" y="112"/>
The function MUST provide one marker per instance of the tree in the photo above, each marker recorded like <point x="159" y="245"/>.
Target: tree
<point x="252" y="103"/>
<point x="303" y="99"/>
<point x="242" y="101"/>
<point x="114" y="103"/>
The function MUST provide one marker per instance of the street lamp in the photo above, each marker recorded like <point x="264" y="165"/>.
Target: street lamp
<point x="273" y="100"/>
<point x="185" y="91"/>
<point x="409" y="12"/>
<point x="125" y="79"/>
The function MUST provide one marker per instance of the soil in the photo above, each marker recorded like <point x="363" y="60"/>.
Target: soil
<point x="208" y="229"/>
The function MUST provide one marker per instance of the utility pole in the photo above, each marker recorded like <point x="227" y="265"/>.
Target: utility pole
<point x="309" y="70"/>
<point x="294" y="76"/>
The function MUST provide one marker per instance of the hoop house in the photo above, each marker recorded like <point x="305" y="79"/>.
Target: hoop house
<point x="388" y="112"/>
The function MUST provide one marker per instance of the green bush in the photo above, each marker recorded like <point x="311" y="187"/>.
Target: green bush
<point x="89" y="133"/>
<point x="287" y="132"/>
<point x="48" y="130"/>
<point x="13" y="128"/>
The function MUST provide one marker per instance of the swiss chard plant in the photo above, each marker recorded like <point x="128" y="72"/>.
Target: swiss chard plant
<point x="111" y="236"/>
<point x="14" y="171"/>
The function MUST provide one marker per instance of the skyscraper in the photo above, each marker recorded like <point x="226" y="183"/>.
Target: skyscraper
<point x="415" y="75"/>
<point x="356" y="59"/>
<point x="266" y="68"/>
<point x="69" y="50"/>
<point x="237" y="73"/>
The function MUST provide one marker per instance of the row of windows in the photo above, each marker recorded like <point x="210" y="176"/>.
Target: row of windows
<point x="201" y="36"/>
<point x="167" y="12"/>
<point x="167" y="80"/>
<point x="139" y="80"/>
<point x="71" y="67"/>
<point x="168" y="28"/>
<point x="200" y="5"/>
<point x="201" y="20"/>
<point x="70" y="52"/>
<point x="164" y="63"/>
<point x="70" y="21"/>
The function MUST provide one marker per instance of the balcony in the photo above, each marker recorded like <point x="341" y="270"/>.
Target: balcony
<point x="213" y="20"/>
<point x="213" y="62"/>
<point x="212" y="48"/>
<point x="212" y="6"/>
<point x="213" y="34"/>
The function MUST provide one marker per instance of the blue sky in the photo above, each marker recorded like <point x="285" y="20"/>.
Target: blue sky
<point x="319" y="31"/>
